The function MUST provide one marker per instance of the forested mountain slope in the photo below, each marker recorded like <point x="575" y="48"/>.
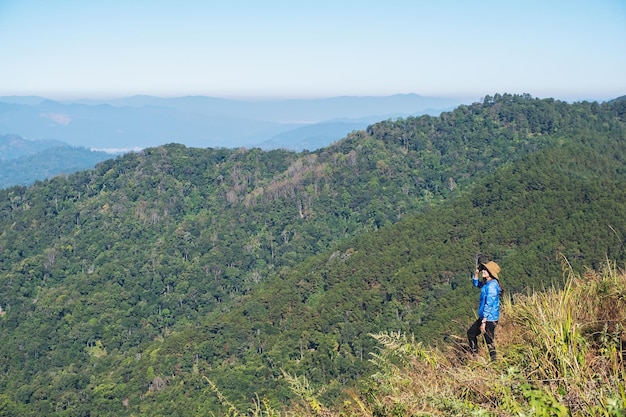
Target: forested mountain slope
<point x="121" y="286"/>
<point x="60" y="160"/>
<point x="26" y="161"/>
<point x="534" y="216"/>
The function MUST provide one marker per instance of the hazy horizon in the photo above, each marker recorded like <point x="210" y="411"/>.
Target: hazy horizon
<point x="245" y="50"/>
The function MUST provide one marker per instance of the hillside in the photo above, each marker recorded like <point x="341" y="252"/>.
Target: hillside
<point x="26" y="161"/>
<point x="124" y="286"/>
<point x="413" y="277"/>
<point x="561" y="353"/>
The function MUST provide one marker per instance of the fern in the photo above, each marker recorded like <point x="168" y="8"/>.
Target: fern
<point x="302" y="388"/>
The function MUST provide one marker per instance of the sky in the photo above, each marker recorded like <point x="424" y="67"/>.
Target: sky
<point x="69" y="49"/>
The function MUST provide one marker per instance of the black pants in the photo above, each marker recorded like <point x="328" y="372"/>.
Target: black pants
<point x="474" y="331"/>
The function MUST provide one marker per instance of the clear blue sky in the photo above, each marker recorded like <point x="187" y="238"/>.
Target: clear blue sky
<point x="569" y="49"/>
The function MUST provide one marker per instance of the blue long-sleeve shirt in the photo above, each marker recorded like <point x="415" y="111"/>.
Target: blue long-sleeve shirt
<point x="489" y="304"/>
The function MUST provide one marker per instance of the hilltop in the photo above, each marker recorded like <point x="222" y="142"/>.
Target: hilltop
<point x="126" y="287"/>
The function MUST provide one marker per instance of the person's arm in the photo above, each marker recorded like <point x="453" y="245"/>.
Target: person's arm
<point x="475" y="281"/>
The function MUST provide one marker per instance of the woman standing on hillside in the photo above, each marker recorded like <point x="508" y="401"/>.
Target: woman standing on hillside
<point x="488" y="308"/>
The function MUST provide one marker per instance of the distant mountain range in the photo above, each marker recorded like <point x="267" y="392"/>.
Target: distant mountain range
<point x="143" y="121"/>
<point x="27" y="161"/>
<point x="14" y="146"/>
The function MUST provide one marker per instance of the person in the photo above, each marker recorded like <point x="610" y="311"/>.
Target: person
<point x="488" y="307"/>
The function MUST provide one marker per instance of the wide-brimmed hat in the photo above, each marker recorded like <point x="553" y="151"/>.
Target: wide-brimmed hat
<point x="492" y="268"/>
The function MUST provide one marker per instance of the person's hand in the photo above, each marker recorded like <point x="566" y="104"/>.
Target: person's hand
<point x="483" y="326"/>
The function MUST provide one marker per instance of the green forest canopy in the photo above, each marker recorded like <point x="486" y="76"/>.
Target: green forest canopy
<point x="124" y="286"/>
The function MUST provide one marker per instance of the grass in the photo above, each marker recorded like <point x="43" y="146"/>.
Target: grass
<point x="561" y="353"/>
